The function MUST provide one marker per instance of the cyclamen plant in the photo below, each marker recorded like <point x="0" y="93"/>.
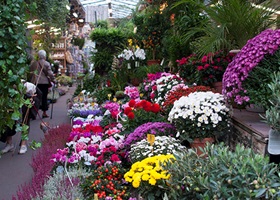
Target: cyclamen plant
<point x="132" y="92"/>
<point x="266" y="43"/>
<point x="200" y="115"/>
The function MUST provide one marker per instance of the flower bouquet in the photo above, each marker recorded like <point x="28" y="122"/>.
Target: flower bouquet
<point x="200" y="115"/>
<point x="162" y="145"/>
<point x="148" y="177"/>
<point x="84" y="109"/>
<point x="246" y="78"/>
<point x="149" y="84"/>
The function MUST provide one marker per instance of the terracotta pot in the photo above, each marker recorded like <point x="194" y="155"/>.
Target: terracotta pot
<point x="153" y="62"/>
<point x="198" y="143"/>
<point x="218" y="86"/>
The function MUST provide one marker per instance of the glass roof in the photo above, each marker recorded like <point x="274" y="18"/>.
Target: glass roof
<point x="120" y="8"/>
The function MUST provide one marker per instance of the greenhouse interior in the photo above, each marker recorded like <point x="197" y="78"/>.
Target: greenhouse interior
<point x="140" y="99"/>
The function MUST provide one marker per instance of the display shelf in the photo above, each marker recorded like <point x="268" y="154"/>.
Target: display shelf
<point x="58" y="52"/>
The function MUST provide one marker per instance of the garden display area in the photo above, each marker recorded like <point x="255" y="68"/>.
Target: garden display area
<point x="152" y="115"/>
<point x="141" y="143"/>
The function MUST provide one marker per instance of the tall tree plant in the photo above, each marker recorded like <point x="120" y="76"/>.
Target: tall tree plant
<point x="228" y="24"/>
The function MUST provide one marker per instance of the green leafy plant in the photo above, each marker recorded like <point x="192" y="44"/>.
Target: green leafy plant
<point x="108" y="43"/>
<point x="64" y="80"/>
<point x="222" y="175"/>
<point x="13" y="60"/>
<point x="272" y="114"/>
<point x="259" y="78"/>
<point x="228" y="24"/>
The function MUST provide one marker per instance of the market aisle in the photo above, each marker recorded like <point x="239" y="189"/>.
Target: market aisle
<point x="15" y="169"/>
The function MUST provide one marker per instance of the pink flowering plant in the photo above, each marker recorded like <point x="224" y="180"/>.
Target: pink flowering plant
<point x="132" y="92"/>
<point x="237" y="83"/>
<point x="91" y="145"/>
<point x="149" y="84"/>
<point x="206" y="70"/>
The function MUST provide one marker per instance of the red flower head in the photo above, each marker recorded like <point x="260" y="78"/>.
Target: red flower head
<point x="155" y="108"/>
<point x="114" y="114"/>
<point x="132" y="103"/>
<point x="127" y="110"/>
<point x="115" y="158"/>
<point x="199" y="68"/>
<point x="182" y="61"/>
<point x="204" y="59"/>
<point x="130" y="115"/>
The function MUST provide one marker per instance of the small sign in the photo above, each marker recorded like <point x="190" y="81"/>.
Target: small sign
<point x="274" y="142"/>
<point x="151" y="139"/>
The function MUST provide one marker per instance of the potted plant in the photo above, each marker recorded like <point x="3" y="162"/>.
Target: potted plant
<point x="246" y="77"/>
<point x="200" y="115"/>
<point x="207" y="70"/>
<point x="272" y="115"/>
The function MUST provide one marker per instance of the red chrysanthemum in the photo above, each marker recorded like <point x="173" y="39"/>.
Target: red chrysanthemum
<point x="127" y="110"/>
<point x="131" y="115"/>
<point x="132" y="103"/>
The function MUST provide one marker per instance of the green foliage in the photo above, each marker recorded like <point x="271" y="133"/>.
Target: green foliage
<point x="272" y="115"/>
<point x="119" y="79"/>
<point x="102" y="94"/>
<point x="258" y="79"/>
<point x="108" y="42"/>
<point x="13" y="60"/>
<point x="102" y="24"/>
<point x="151" y="26"/>
<point x="230" y="24"/>
<point x="90" y="83"/>
<point x="225" y="174"/>
<point x="78" y="42"/>
<point x="64" y="80"/>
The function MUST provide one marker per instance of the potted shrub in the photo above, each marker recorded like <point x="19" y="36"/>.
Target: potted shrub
<point x="225" y="174"/>
<point x="200" y="115"/>
<point x="272" y="115"/>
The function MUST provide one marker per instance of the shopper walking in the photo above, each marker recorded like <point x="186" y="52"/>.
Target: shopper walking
<point x="41" y="74"/>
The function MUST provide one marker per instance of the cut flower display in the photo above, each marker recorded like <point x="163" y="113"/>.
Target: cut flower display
<point x="200" y="115"/>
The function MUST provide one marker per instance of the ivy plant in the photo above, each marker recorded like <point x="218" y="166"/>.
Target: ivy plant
<point x="13" y="60"/>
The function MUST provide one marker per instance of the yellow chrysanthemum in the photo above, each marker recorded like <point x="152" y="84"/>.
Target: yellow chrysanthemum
<point x="135" y="184"/>
<point x="145" y="177"/>
<point x="152" y="181"/>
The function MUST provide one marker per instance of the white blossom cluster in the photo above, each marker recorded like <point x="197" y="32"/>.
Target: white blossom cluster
<point x="138" y="54"/>
<point x="127" y="55"/>
<point x="164" y="85"/>
<point x="162" y="145"/>
<point x="206" y="108"/>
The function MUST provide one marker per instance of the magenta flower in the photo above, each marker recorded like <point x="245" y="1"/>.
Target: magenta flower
<point x="266" y="43"/>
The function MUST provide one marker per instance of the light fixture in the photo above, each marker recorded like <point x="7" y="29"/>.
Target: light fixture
<point x="67" y="7"/>
<point x="81" y="20"/>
